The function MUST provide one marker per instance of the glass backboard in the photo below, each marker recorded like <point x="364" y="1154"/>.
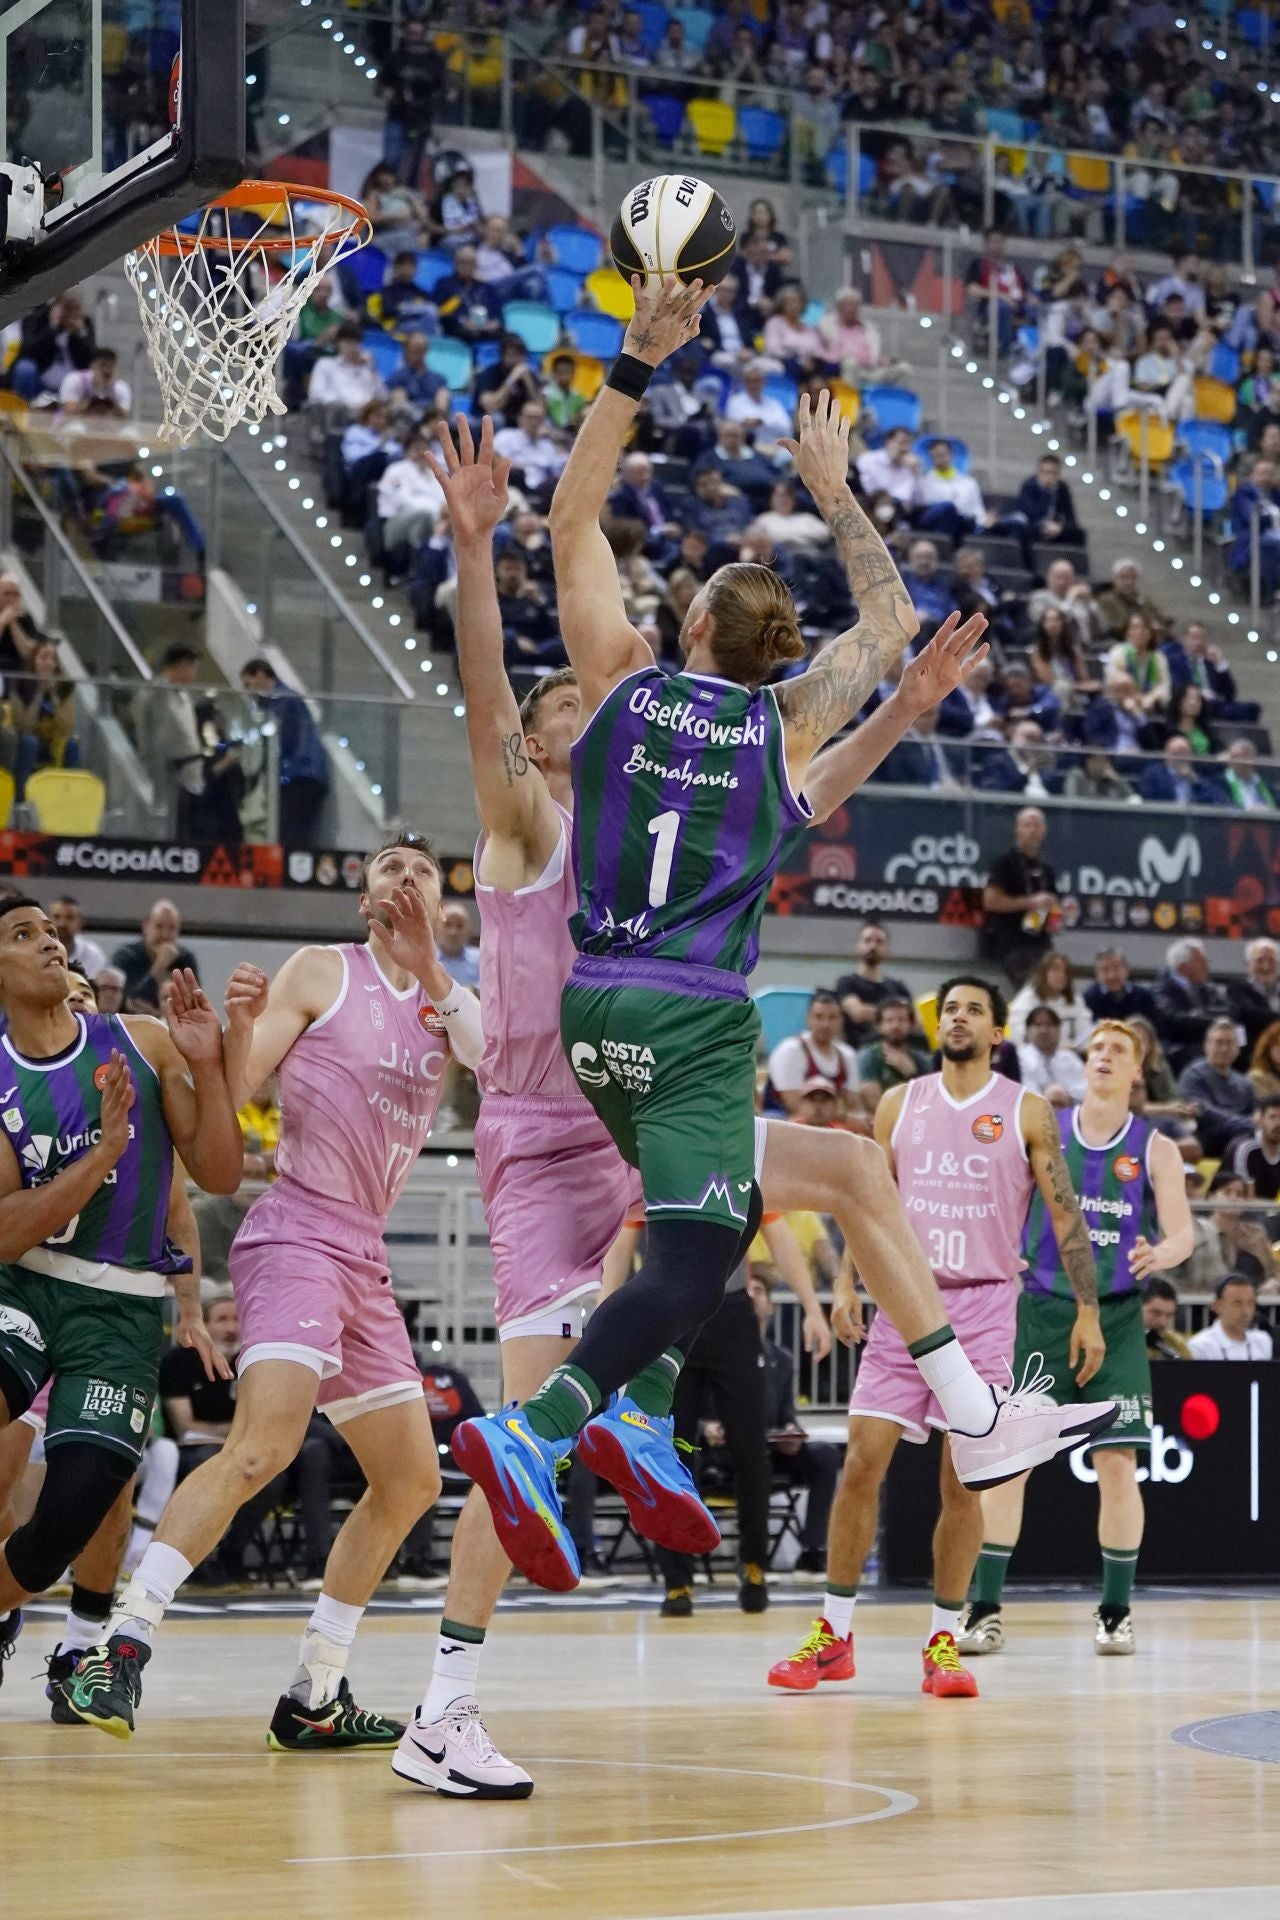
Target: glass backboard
<point x="133" y="113"/>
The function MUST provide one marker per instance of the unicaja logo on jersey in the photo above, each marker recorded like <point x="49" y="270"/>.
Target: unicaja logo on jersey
<point x="1126" y="1168"/>
<point x="582" y="1060"/>
<point x="988" y="1127"/>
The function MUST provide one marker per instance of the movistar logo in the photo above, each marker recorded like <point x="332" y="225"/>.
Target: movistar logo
<point x="679" y="716"/>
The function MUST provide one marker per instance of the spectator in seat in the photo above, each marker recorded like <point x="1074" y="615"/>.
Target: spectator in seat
<point x="398" y="213"/>
<point x="948" y="501"/>
<point x="790" y="341"/>
<point x="1245" y="787"/>
<point x="929" y="588"/>
<point x="469" y="309"/>
<point x="530" y="636"/>
<point x="347" y="380"/>
<point x="729" y="326"/>
<point x="565" y="405"/>
<point x="969" y="713"/>
<point x="1072" y="598"/>
<point x="763" y="278"/>
<point x="1140" y="657"/>
<point x="919" y="759"/>
<point x="19" y="634"/>
<point x="1046" y="1066"/>
<point x="1057" y="658"/>
<point x="785" y="525"/>
<point x="818" y="1050"/>
<point x="170" y="745"/>
<point x="719" y="512"/>
<point x="1174" y="780"/>
<point x="56" y="339"/>
<point x="679" y="410"/>
<point x="537" y="459"/>
<point x="1096" y="779"/>
<point x="108" y="986"/>
<point x="1159" y="1312"/>
<point x="455" y="942"/>
<point x="761" y="414"/>
<point x="1028" y="767"/>
<point x="1186" y="715"/>
<point x="1186" y="1001"/>
<point x="410" y="501"/>
<point x="994" y="274"/>
<point x="892" y="468"/>
<point x="1116" y="722"/>
<point x="97" y="391"/>
<point x="302" y="762"/>
<point x="1045" y="508"/>
<point x="1223" y="1098"/>
<point x="1022" y="697"/>
<point x="1257" y="1157"/>
<point x="813" y="1464"/>
<point x="890" y="1059"/>
<point x="459" y="213"/>
<point x="1254" y="1002"/>
<point x="1256" y="504"/>
<point x="1231" y="1239"/>
<point x="642" y="589"/>
<point x="1124" y="597"/>
<point x="1113" y="995"/>
<point x="852" y="341"/>
<point x="316" y="333"/>
<point x="417" y="391"/>
<point x="368" y="443"/>
<point x="83" y="954"/>
<point x="1052" y="985"/>
<point x="499" y="254"/>
<point x="1193" y="661"/>
<point x="741" y="466"/>
<point x="147" y="962"/>
<point x="42" y="709"/>
<point x="1233" y="1336"/>
<point x="861" y="992"/>
<point x="509" y="385"/>
<point x="638" y="496"/>
<point x="975" y="592"/>
<point x="401" y="299"/>
<point x="1264" y="1067"/>
<point x="416" y="85"/>
<point x="1020" y="899"/>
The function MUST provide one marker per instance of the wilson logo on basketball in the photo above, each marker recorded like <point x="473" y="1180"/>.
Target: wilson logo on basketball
<point x="430" y="1021"/>
<point x="988" y="1127"/>
<point x="100" y="1076"/>
<point x="1125" y="1167"/>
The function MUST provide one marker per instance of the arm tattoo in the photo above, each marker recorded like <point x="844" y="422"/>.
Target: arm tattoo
<point x="1074" y="1244"/>
<point x="515" y="761"/>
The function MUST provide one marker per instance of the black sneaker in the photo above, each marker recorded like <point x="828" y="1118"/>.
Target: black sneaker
<point x="753" y="1595"/>
<point x="678" y="1604"/>
<point x="10" y="1628"/>
<point x="811" y="1560"/>
<point x="59" y="1668"/>
<point x="107" y="1685"/>
<point x="338" y="1726"/>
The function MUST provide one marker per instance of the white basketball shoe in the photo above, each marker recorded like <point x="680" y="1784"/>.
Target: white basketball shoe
<point x="454" y="1755"/>
<point x="1029" y="1428"/>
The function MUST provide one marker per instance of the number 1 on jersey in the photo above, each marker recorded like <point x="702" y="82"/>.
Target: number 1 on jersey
<point x="664" y="827"/>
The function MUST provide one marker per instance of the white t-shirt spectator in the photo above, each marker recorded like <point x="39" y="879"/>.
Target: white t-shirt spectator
<point x="79" y="387"/>
<point x="957" y="489"/>
<point x="405" y="487"/>
<point x="533" y="456"/>
<point x="797" y="1058"/>
<point x="795" y="530"/>
<point x="1077" y="1021"/>
<point x="1211" y="1343"/>
<point x="879" y="474"/>
<point x="767" y="413"/>
<point x="336" y="382"/>
<point x="1040" y="1071"/>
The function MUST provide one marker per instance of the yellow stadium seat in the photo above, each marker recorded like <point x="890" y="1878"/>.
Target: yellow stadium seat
<point x="848" y="399"/>
<point x="1017" y="158"/>
<point x="1141" y="430"/>
<point x="13" y="403"/>
<point x="588" y="372"/>
<point x="1089" y="175"/>
<point x="927" y="1015"/>
<point x="7" y="791"/>
<point x="65" y="800"/>
<point x="611" y="293"/>
<point x="1215" y="400"/>
<point x="714" y="124"/>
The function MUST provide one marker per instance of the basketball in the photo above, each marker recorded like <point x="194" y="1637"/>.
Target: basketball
<point x="674" y="224"/>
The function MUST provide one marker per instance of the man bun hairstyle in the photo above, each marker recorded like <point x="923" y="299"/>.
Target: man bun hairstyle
<point x="756" y="627"/>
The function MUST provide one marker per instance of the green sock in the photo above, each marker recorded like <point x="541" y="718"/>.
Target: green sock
<point x="470" y="1636"/>
<point x="941" y="1336"/>
<point x="993" y="1565"/>
<point x="654" y="1387"/>
<point x="1119" y="1568"/>
<point x="563" y="1405"/>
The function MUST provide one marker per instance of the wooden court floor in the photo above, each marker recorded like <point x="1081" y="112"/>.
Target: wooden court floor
<point x="672" y="1782"/>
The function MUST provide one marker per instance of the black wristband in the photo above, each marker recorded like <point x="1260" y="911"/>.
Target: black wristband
<point x="630" y="376"/>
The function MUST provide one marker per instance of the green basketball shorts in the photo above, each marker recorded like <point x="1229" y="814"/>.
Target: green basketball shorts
<point x="1045" y="1321"/>
<point x="101" y="1349"/>
<point x="672" y="1076"/>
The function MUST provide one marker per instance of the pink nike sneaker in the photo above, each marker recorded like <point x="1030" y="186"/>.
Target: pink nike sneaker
<point x="1029" y="1428"/>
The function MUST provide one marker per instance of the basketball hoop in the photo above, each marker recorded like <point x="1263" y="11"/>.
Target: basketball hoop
<point x="218" y="304"/>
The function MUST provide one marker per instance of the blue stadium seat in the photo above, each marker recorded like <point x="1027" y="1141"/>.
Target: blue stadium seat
<point x="1206" y="436"/>
<point x="762" y="132"/>
<point x="697" y="23"/>
<point x="487" y="353"/>
<point x="959" y="449"/>
<point x="653" y="23"/>
<point x="837" y="168"/>
<point x="451" y="359"/>
<point x="577" y="248"/>
<point x="782" y="1012"/>
<point x="1214" y="492"/>
<point x="667" y="115"/>
<point x="893" y="407"/>
<point x="1224" y="364"/>
<point x="538" y="326"/>
<point x="1004" y="124"/>
<point x="368" y="270"/>
<point x="433" y="267"/>
<point x="1256" y="29"/>
<point x="779" y="387"/>
<point x="564" y="289"/>
<point x="595" y="333"/>
<point x="385" y="352"/>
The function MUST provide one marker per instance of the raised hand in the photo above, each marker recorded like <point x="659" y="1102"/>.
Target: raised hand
<point x="246" y="997"/>
<point x="474" y="479"/>
<point x="194" y="1026"/>
<point x="821" y="449"/>
<point x="667" y="317"/>
<point x="113" y="1114"/>
<point x="948" y="660"/>
<point x="400" y="931"/>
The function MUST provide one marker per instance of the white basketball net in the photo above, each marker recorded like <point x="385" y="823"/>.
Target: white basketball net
<point x="216" y="313"/>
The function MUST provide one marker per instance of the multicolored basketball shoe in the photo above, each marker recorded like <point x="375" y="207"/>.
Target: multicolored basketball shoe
<point x="516" y="1473"/>
<point x="10" y="1628"/>
<point x="636" y="1453"/>
<point x="1029" y="1428"/>
<point x="981" y="1631"/>
<point x="58" y="1670"/>
<point x="820" y="1657"/>
<point x="339" y="1726"/>
<point x="106" y="1687"/>
<point x="944" y="1677"/>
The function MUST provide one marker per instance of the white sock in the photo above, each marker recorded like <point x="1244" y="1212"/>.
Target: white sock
<point x="161" y="1571"/>
<point x="967" y="1401"/>
<point x="81" y="1633"/>
<point x="837" y="1611"/>
<point x="453" y="1677"/>
<point x="322" y="1656"/>
<point x="944" y="1620"/>
<point x="139" y="1541"/>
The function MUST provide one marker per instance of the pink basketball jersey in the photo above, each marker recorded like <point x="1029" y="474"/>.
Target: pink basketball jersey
<point x="964" y="1178"/>
<point x="526" y="955"/>
<point x="359" y="1089"/>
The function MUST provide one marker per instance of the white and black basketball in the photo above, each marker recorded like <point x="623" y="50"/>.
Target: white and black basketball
<point x="674" y="224"/>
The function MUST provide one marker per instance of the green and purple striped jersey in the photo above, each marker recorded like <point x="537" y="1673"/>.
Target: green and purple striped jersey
<point x="1116" y="1199"/>
<point x="49" y="1111"/>
<point x="681" y="806"/>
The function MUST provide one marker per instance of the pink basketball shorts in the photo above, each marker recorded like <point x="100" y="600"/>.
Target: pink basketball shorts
<point x="311" y="1284"/>
<point x="889" y="1384"/>
<point x="556" y="1195"/>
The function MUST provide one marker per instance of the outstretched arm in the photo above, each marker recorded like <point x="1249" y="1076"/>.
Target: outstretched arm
<point x="601" y="642"/>
<point x="937" y="670"/>
<point x="1053" y="1177"/>
<point x="818" y="703"/>
<point x="518" y="814"/>
<point x="198" y="1109"/>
